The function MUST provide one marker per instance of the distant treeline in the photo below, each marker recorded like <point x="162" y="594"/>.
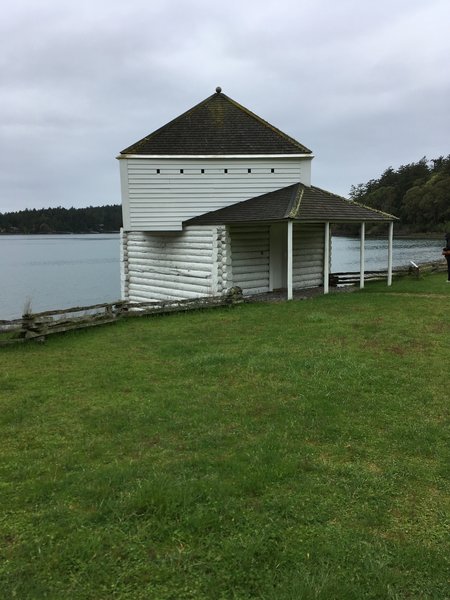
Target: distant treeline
<point x="418" y="193"/>
<point x="63" y="220"/>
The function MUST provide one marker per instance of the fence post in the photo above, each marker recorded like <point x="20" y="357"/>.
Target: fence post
<point x="31" y="328"/>
<point x="234" y="295"/>
<point x="414" y="269"/>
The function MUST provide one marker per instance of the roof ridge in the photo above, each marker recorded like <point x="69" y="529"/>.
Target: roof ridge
<point x="315" y="187"/>
<point x="174" y="120"/>
<point x="266" y="123"/>
<point x="354" y="203"/>
<point x="294" y="205"/>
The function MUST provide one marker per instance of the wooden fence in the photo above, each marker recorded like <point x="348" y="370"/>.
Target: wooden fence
<point x="353" y="277"/>
<point x="37" y="326"/>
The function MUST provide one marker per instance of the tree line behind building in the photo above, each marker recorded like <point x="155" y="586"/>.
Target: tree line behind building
<point x="417" y="193"/>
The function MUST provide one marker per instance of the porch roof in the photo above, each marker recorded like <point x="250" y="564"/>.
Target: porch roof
<point x="298" y="202"/>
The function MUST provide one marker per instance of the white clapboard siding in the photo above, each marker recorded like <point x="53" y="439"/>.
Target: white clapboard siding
<point x="192" y="263"/>
<point x="250" y="258"/>
<point x="161" y="201"/>
<point x="308" y="256"/>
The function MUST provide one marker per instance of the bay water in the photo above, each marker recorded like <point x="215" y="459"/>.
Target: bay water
<point x="61" y="271"/>
<point x="57" y="271"/>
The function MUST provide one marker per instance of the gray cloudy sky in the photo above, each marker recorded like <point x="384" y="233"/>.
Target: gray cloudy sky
<point x="364" y="84"/>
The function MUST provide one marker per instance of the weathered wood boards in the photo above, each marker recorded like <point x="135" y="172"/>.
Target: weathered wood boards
<point x="352" y="278"/>
<point x="37" y="326"/>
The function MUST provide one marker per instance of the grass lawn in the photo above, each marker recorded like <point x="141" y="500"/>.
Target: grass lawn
<point x="272" y="451"/>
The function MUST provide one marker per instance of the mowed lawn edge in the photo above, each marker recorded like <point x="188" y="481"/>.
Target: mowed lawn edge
<point x="293" y="450"/>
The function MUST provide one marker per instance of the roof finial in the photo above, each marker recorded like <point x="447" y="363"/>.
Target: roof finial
<point x="218" y="89"/>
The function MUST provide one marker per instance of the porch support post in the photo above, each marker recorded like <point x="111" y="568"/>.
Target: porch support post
<point x="390" y="244"/>
<point x="289" y="260"/>
<point x="326" y="260"/>
<point x="361" y="255"/>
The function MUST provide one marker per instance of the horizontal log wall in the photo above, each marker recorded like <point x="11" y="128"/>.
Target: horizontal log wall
<point x="174" y="265"/>
<point x="250" y="257"/>
<point x="159" y="194"/>
<point x="308" y="256"/>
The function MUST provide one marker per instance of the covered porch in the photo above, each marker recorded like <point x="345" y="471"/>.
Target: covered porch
<point x="282" y="240"/>
<point x="284" y="257"/>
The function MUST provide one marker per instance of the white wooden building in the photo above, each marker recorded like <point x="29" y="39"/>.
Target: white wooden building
<point x="219" y="198"/>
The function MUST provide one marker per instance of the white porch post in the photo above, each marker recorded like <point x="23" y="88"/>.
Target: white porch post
<point x="390" y="244"/>
<point x="289" y="260"/>
<point x="361" y="255"/>
<point x="326" y="260"/>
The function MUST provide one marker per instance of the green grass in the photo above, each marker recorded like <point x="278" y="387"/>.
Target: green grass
<point x="285" y="451"/>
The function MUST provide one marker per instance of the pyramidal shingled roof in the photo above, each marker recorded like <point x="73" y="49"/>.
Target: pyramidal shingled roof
<point x="217" y="126"/>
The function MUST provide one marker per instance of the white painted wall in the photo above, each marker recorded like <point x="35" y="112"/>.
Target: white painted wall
<point x="161" y="201"/>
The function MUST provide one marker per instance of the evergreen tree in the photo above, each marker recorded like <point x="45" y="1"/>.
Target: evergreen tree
<point x="417" y="193"/>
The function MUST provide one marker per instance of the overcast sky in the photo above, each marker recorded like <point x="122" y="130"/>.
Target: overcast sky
<point x="365" y="85"/>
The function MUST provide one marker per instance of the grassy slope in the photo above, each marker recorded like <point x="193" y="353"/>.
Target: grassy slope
<point x="285" y="451"/>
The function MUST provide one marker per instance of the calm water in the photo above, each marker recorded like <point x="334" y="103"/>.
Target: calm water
<point x="59" y="271"/>
<point x="345" y="253"/>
